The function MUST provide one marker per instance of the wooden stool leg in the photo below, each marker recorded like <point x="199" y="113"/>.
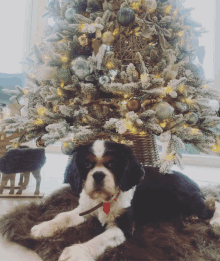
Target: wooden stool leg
<point x="26" y="175"/>
<point x="37" y="176"/>
<point x="5" y="178"/>
<point x="21" y="180"/>
<point x="12" y="183"/>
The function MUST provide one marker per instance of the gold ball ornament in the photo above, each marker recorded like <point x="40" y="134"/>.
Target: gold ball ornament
<point x="135" y="76"/>
<point x="56" y="108"/>
<point x="83" y="40"/>
<point x="134" y="105"/>
<point x="108" y="38"/>
<point x="150" y="5"/>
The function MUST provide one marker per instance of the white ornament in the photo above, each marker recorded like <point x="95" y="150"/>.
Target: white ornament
<point x="104" y="79"/>
<point x="214" y="104"/>
<point x="46" y="73"/>
<point x="80" y="67"/>
<point x="150" y="5"/>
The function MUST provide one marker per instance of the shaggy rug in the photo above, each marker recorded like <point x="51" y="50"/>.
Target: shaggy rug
<point x="191" y="239"/>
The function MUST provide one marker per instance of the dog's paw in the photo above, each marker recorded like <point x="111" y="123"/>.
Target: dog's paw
<point x="45" y="229"/>
<point x="76" y="253"/>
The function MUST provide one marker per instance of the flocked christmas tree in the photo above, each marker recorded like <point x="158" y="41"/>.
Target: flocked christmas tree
<point x="123" y="70"/>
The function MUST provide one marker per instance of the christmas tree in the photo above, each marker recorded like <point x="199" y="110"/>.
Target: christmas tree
<point x="123" y="70"/>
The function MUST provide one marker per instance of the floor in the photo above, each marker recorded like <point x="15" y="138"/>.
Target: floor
<point x="52" y="179"/>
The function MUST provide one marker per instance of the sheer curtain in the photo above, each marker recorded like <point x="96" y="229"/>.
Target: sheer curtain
<point x="21" y="26"/>
<point x="204" y="13"/>
<point x="12" y="13"/>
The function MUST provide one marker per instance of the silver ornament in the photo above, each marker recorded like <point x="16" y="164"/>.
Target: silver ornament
<point x="67" y="147"/>
<point x="104" y="80"/>
<point x="125" y="16"/>
<point x="163" y="110"/>
<point x="69" y="14"/>
<point x="193" y="118"/>
<point x="64" y="75"/>
<point x="80" y="67"/>
<point x="150" y="5"/>
<point x="182" y="106"/>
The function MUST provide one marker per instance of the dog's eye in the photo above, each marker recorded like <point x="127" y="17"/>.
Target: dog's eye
<point x="111" y="164"/>
<point x="88" y="164"/>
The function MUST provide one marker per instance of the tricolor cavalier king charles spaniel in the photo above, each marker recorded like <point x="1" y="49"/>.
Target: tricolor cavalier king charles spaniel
<point x="107" y="172"/>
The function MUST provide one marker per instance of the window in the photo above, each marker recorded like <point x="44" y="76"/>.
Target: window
<point x="12" y="17"/>
<point x="204" y="13"/>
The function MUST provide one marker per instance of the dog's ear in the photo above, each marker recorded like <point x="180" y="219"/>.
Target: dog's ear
<point x="133" y="171"/>
<point x="72" y="175"/>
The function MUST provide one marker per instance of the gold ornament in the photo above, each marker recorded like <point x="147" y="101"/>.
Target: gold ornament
<point x="108" y="38"/>
<point x="15" y="145"/>
<point x="135" y="76"/>
<point x="56" y="108"/>
<point x="110" y="65"/>
<point x="150" y="5"/>
<point x="83" y="40"/>
<point x="59" y="92"/>
<point x="15" y="108"/>
<point x="163" y="124"/>
<point x="134" y="105"/>
<point x="38" y="121"/>
<point x="137" y="7"/>
<point x="116" y="31"/>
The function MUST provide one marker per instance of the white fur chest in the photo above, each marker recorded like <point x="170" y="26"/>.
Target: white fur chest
<point x="116" y="207"/>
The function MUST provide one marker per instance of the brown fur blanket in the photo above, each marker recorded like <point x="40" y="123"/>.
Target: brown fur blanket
<point x="190" y="240"/>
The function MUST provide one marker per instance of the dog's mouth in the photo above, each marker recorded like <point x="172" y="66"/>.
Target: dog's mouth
<point x="103" y="195"/>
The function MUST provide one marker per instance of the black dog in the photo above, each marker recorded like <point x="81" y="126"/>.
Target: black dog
<point x="107" y="173"/>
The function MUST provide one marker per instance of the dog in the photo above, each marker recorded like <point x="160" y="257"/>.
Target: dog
<point x="107" y="173"/>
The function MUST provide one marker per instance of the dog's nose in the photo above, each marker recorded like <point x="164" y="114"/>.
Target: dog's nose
<point x="98" y="176"/>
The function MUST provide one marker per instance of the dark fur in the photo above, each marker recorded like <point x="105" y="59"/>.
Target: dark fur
<point x="158" y="197"/>
<point x="155" y="241"/>
<point x="20" y="160"/>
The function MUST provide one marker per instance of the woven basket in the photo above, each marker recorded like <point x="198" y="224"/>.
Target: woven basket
<point x="144" y="146"/>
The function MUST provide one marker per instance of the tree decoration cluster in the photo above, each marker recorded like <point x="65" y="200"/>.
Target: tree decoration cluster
<point x="119" y="67"/>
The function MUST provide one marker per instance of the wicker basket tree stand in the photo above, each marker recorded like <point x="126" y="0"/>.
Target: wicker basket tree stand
<point x="144" y="146"/>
